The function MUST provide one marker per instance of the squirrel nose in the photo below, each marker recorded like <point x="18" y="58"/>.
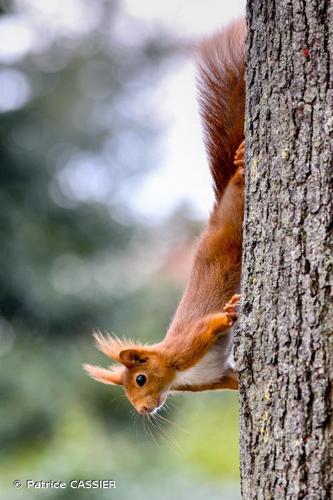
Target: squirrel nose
<point x="144" y="409"/>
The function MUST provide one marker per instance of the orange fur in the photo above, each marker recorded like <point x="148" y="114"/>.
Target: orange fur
<point x="222" y="99"/>
<point x="196" y="353"/>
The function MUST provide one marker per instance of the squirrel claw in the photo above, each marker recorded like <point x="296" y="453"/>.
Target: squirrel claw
<point x="231" y="307"/>
<point x="239" y="155"/>
<point x="240" y="151"/>
<point x="240" y="164"/>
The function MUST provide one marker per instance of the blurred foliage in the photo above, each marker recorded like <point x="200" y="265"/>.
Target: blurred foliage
<point x="66" y="157"/>
<point x="75" y="258"/>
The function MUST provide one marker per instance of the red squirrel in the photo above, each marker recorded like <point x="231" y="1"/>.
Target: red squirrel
<point x="196" y="353"/>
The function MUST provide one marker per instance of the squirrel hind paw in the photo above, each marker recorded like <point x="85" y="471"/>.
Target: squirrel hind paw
<point x="238" y="177"/>
<point x="239" y="155"/>
<point x="232" y="306"/>
<point x="240" y="164"/>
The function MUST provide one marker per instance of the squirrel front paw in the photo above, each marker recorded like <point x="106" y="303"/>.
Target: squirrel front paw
<point x="231" y="308"/>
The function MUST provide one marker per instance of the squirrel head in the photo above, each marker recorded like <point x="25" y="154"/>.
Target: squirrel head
<point x="146" y="374"/>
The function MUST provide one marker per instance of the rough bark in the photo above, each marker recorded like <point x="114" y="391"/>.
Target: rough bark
<point x="283" y="348"/>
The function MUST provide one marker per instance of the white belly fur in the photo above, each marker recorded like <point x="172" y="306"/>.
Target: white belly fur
<point x="210" y="368"/>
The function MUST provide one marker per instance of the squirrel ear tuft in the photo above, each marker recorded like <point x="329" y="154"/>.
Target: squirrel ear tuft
<point x="110" y="346"/>
<point x="132" y="357"/>
<point x="113" y="377"/>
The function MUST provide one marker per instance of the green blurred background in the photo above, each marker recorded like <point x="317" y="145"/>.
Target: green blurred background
<point x="79" y="132"/>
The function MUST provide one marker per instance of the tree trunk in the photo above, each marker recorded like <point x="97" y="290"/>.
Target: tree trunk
<point x="283" y="347"/>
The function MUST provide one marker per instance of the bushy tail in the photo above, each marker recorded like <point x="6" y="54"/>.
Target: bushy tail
<point x="222" y="99"/>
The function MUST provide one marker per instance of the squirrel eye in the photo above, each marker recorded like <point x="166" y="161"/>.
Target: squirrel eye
<point x="141" y="379"/>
